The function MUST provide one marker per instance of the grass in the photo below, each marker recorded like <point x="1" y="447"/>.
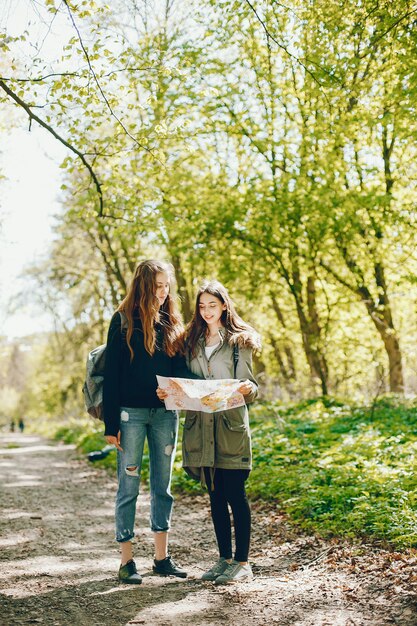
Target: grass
<point x="340" y="470"/>
<point x="335" y="469"/>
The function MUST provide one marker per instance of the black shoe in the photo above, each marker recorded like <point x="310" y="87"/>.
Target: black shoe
<point x="128" y="574"/>
<point x="167" y="567"/>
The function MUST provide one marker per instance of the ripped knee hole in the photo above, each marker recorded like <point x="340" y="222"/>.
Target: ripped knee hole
<point x="132" y="470"/>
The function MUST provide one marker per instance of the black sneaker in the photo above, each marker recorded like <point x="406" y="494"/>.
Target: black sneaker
<point x="168" y="567"/>
<point x="128" y="574"/>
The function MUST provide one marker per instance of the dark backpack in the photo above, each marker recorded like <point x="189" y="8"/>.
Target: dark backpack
<point x="94" y="375"/>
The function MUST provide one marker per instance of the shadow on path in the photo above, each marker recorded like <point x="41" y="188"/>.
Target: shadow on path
<point x="58" y="560"/>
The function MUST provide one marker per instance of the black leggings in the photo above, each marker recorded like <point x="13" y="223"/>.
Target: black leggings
<point x="229" y="488"/>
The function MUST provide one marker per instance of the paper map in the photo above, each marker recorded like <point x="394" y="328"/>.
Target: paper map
<point x="209" y="396"/>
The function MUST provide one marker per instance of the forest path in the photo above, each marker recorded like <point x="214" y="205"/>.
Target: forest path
<point x="58" y="560"/>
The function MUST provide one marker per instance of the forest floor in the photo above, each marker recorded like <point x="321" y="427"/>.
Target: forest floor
<point x="58" y="560"/>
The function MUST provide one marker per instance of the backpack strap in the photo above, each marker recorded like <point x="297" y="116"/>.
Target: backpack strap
<point x="235" y="358"/>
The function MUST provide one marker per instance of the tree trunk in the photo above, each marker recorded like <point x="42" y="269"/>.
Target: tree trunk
<point x="290" y="369"/>
<point x="380" y="313"/>
<point x="184" y="296"/>
<point x="396" y="379"/>
<point x="381" y="316"/>
<point x="311" y="331"/>
<point x="285" y="371"/>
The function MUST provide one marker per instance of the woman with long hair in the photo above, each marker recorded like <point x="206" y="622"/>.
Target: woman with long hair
<point x="143" y="341"/>
<point x="217" y="446"/>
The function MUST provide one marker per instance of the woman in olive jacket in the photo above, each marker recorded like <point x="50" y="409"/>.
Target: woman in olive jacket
<point x="217" y="446"/>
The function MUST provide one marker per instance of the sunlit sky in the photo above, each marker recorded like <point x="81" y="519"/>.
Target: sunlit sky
<point x="29" y="194"/>
<point x="29" y="161"/>
<point x="28" y="203"/>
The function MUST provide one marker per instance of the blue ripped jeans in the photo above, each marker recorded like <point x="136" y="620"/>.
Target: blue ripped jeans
<point x="161" y="429"/>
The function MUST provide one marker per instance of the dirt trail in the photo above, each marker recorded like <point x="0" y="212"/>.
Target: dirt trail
<point x="58" y="559"/>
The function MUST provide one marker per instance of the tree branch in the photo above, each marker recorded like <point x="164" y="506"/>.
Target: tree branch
<point x="380" y="36"/>
<point x="39" y="79"/>
<point x="103" y="95"/>
<point x="285" y="49"/>
<point x="81" y="156"/>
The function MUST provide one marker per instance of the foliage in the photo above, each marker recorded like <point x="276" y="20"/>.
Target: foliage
<point x="274" y="150"/>
<point x="269" y="145"/>
<point x="334" y="469"/>
<point x="340" y="469"/>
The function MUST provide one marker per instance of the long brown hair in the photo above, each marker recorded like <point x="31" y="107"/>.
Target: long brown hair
<point x="141" y="300"/>
<point x="237" y="331"/>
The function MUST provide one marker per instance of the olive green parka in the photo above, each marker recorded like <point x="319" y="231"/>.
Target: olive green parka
<point x="223" y="439"/>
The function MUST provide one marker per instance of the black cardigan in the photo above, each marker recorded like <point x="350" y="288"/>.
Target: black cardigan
<point x="133" y="384"/>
